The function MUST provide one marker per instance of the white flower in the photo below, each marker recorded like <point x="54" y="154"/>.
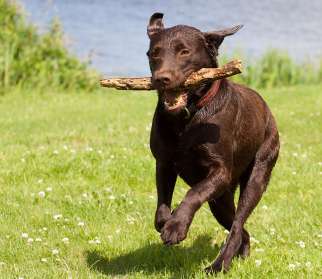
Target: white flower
<point x="259" y="250"/>
<point x="308" y="264"/>
<point x="30" y="240"/>
<point x="24" y="235"/>
<point x="65" y="147"/>
<point x="301" y="243"/>
<point x="81" y="224"/>
<point x="258" y="262"/>
<point x="118" y="231"/>
<point x="89" y="149"/>
<point x="97" y="241"/>
<point x="44" y="260"/>
<point x="293" y="172"/>
<point x="49" y="189"/>
<point x="2" y="263"/>
<point x="111" y="197"/>
<point x="40" y="181"/>
<point x="253" y="239"/>
<point x="265" y="207"/>
<point x="38" y="239"/>
<point x="291" y="266"/>
<point x="44" y="229"/>
<point x="41" y="194"/>
<point x="55" y="152"/>
<point x="55" y="251"/>
<point x="57" y="216"/>
<point x="65" y="240"/>
<point x="295" y="154"/>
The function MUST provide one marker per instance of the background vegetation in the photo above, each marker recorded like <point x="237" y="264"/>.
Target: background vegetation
<point x="30" y="60"/>
<point x="77" y="194"/>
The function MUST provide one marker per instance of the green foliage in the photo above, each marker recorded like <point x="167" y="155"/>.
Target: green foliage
<point x="28" y="59"/>
<point x="276" y="68"/>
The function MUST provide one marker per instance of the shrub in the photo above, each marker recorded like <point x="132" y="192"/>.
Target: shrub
<point x="28" y="59"/>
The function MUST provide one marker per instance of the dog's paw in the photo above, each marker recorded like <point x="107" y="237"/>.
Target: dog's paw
<point x="210" y="270"/>
<point x="162" y="215"/>
<point x="174" y="231"/>
<point x="216" y="267"/>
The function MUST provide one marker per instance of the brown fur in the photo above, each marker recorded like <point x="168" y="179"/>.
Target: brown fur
<point x="231" y="141"/>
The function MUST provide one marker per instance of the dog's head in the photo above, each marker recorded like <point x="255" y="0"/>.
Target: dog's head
<point x="175" y="53"/>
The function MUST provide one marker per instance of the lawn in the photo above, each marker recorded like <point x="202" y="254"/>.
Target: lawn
<point x="77" y="193"/>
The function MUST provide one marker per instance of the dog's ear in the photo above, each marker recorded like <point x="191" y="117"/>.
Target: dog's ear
<point x="155" y="24"/>
<point x="215" y="38"/>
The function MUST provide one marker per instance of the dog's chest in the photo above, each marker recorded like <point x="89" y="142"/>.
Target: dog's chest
<point x="191" y="162"/>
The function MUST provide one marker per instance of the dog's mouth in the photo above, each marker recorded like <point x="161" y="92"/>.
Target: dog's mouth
<point x="174" y="101"/>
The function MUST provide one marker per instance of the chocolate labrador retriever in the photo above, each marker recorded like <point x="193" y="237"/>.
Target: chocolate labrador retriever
<point x="215" y="137"/>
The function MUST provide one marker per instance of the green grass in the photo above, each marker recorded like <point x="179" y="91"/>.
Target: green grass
<point x="89" y="154"/>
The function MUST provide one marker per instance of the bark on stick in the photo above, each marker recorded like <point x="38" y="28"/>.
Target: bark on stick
<point x="194" y="80"/>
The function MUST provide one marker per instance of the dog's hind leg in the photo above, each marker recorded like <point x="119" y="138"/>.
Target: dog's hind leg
<point x="223" y="209"/>
<point x="250" y="195"/>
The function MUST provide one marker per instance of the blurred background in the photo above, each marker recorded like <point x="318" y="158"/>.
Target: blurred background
<point x="112" y="34"/>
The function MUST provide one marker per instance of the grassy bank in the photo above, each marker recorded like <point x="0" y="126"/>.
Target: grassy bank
<point x="30" y="60"/>
<point x="276" y="68"/>
<point x="77" y="194"/>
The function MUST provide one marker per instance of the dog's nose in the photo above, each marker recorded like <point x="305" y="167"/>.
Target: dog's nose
<point x="162" y="79"/>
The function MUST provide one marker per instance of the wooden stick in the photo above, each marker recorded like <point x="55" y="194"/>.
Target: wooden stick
<point x="195" y="79"/>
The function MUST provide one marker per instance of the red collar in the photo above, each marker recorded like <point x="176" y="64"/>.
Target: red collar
<point x="205" y="99"/>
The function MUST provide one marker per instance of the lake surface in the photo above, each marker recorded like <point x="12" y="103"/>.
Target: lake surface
<point x="113" y="33"/>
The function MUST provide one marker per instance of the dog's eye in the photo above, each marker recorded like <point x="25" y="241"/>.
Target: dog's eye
<point x="184" y="52"/>
<point x="155" y="53"/>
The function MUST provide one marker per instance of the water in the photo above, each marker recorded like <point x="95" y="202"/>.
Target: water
<point x="113" y="33"/>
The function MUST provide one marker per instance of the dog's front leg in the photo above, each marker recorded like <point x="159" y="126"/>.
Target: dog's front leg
<point x="165" y="179"/>
<point x="176" y="228"/>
